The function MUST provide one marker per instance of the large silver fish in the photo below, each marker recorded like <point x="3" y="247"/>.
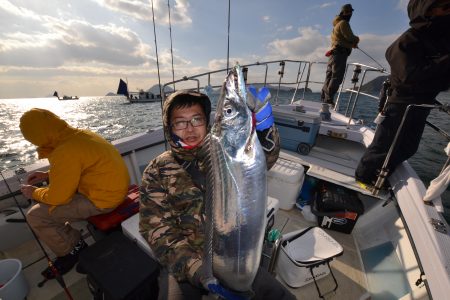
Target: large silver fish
<point x="236" y="189"/>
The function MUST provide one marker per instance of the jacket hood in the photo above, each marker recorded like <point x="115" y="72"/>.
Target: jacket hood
<point x="416" y="13"/>
<point x="44" y="129"/>
<point x="336" y="20"/>
<point x="203" y="100"/>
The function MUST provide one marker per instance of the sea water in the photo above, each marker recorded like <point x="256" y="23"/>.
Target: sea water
<point x="114" y="117"/>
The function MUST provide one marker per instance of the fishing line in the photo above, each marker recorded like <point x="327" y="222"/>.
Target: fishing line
<point x="157" y="60"/>
<point x="370" y="57"/>
<point x="171" y="51"/>
<point x="228" y="49"/>
<point x="55" y="272"/>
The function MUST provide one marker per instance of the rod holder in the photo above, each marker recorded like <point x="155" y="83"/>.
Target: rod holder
<point x="356" y="72"/>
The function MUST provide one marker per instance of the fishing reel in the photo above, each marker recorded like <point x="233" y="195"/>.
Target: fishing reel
<point x="281" y="72"/>
<point x="356" y="72"/>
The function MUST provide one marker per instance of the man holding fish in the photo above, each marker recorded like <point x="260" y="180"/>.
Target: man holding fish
<point x="203" y="201"/>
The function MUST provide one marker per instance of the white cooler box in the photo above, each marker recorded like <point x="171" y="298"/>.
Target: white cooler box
<point x="130" y="227"/>
<point x="306" y="252"/>
<point x="284" y="182"/>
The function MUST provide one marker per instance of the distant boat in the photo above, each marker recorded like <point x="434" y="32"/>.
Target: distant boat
<point x="55" y="94"/>
<point x="123" y="89"/>
<point x="136" y="97"/>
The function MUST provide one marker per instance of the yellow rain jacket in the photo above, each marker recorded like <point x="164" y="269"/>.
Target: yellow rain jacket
<point x="342" y="34"/>
<point x="80" y="161"/>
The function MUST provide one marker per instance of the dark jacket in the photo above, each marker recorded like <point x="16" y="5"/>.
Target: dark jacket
<point x="172" y="209"/>
<point x="420" y="57"/>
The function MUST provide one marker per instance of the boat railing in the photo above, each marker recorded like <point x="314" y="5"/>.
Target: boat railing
<point x="355" y="91"/>
<point x="299" y="75"/>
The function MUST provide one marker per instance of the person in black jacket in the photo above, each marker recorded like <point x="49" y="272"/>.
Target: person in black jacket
<point x="420" y="70"/>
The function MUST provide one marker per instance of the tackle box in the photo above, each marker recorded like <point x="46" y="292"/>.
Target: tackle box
<point x="298" y="129"/>
<point x="336" y="207"/>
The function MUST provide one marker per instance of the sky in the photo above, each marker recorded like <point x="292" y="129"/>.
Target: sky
<point x="83" y="47"/>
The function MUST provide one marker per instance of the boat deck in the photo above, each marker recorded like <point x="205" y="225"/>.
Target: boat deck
<point x="346" y="268"/>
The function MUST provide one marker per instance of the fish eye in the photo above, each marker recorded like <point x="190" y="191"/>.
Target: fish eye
<point x="228" y="111"/>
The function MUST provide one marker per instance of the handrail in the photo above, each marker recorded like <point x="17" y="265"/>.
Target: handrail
<point x="280" y="76"/>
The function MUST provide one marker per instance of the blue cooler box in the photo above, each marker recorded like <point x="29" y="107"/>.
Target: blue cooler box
<point x="298" y="130"/>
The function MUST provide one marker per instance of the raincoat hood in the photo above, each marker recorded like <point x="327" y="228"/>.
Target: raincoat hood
<point x="416" y="13"/>
<point x="45" y="130"/>
<point x="178" y="151"/>
<point x="337" y="19"/>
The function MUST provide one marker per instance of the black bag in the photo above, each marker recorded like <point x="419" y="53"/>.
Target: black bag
<point x="333" y="198"/>
<point x="337" y="208"/>
<point x="117" y="269"/>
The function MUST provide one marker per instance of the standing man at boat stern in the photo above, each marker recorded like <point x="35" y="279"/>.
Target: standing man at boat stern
<point x="420" y="70"/>
<point x="87" y="177"/>
<point x="342" y="42"/>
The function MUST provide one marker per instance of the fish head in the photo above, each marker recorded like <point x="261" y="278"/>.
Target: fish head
<point x="233" y="123"/>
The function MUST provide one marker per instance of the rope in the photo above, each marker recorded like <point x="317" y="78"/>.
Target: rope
<point x="370" y="58"/>
<point x="228" y="49"/>
<point x="157" y="60"/>
<point x="171" y="51"/>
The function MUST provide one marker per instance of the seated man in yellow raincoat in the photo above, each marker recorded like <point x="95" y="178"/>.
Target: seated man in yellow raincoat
<point x="87" y="177"/>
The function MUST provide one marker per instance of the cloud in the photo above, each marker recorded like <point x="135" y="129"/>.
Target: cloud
<point x="140" y="10"/>
<point x="309" y="45"/>
<point x="374" y="46"/>
<point x="327" y="4"/>
<point x="402" y="5"/>
<point x="73" y="41"/>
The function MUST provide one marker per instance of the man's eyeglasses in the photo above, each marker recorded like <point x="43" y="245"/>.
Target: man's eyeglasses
<point x="195" y="122"/>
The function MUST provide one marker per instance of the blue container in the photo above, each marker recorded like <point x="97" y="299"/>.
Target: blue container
<point x="308" y="191"/>
<point x="298" y="130"/>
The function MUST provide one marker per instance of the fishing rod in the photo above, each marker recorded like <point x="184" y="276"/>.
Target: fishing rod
<point x="52" y="267"/>
<point x="370" y="57"/>
<point x="228" y="43"/>
<point x="157" y="59"/>
<point x="171" y="51"/>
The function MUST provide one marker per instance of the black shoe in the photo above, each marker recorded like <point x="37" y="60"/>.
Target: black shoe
<point x="64" y="264"/>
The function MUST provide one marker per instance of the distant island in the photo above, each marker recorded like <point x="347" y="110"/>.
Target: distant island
<point x="374" y="86"/>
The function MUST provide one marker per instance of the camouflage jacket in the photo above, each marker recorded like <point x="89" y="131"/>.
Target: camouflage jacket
<point x="172" y="212"/>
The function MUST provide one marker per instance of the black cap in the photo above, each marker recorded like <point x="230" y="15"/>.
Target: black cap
<point x="347" y="8"/>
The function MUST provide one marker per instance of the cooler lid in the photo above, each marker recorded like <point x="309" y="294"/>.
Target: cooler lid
<point x="288" y="112"/>
<point x="310" y="245"/>
<point x="287" y="171"/>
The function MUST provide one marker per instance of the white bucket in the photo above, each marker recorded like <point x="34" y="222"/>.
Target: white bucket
<point x="13" y="285"/>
